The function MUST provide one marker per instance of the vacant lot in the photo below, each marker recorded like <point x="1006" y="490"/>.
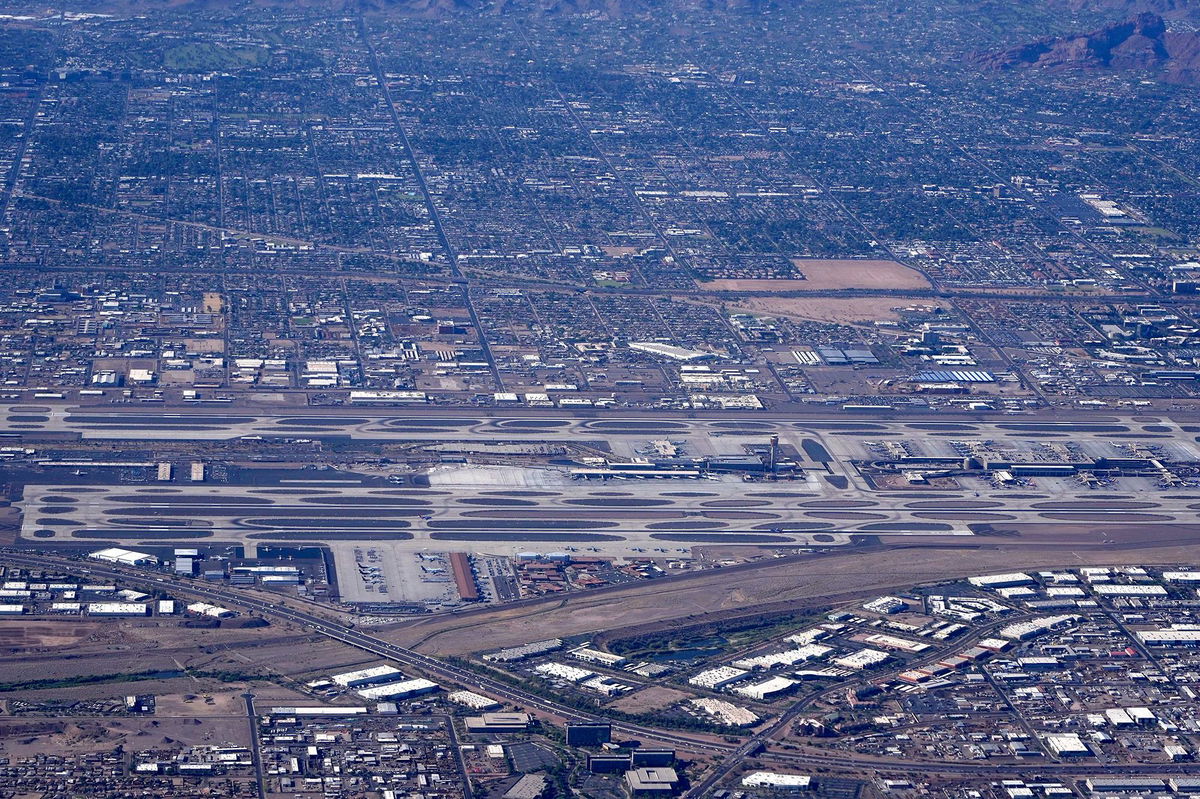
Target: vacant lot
<point x="823" y="274"/>
<point x="652" y="698"/>
<point x="20" y="635"/>
<point x="829" y="309"/>
<point x="72" y="735"/>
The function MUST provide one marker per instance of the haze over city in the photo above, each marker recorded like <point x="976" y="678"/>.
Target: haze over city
<point x="531" y="399"/>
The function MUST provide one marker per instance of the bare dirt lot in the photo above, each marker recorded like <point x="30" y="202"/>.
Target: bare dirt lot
<point x="123" y="656"/>
<point x="651" y="698"/>
<point x="835" y="273"/>
<point x="25" y="737"/>
<point x="23" y="636"/>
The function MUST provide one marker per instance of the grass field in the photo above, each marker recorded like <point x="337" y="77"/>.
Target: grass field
<point x="212" y="57"/>
<point x="829" y="309"/>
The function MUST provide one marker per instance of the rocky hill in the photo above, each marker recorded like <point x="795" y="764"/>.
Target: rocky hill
<point x="1142" y="42"/>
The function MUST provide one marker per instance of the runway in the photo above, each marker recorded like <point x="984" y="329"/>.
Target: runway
<point x="505" y="510"/>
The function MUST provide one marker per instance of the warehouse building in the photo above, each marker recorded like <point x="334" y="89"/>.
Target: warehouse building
<point x="117" y="609"/>
<point x="1170" y="637"/>
<point x="562" y="671"/>
<point x="718" y="678"/>
<point x="862" y="659"/>
<point x="205" y="609"/>
<point x="363" y="677"/>
<point x="497" y="723"/>
<point x="525" y="651"/>
<point x="1001" y="580"/>
<point x="596" y="656"/>
<point x="767" y="689"/>
<point x="1067" y="745"/>
<point x="777" y="781"/>
<point x="405" y="689"/>
<point x="473" y="700"/>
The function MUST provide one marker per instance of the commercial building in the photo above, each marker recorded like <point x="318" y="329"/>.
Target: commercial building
<point x="1182" y="576"/>
<point x="669" y="351"/>
<point x="1121" y="589"/>
<point x="530" y="786"/>
<point x="609" y="764"/>
<point x="588" y="734"/>
<point x="318" y="710"/>
<point x="651" y="782"/>
<point x="893" y="642"/>
<point x="652" y="757"/>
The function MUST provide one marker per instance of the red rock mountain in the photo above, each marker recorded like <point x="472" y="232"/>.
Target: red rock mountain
<point x="1140" y="43"/>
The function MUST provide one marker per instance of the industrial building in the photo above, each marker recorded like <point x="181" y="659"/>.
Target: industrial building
<point x="117" y="609"/>
<point x="498" y="723"/>
<point x="205" y="609"/>
<point x="777" y="781"/>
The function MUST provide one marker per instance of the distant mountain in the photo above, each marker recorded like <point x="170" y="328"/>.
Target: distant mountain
<point x="617" y="8"/>
<point x="607" y="8"/>
<point x="1140" y="43"/>
<point x="1166" y="8"/>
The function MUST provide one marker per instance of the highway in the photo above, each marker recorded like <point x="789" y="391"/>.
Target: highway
<point x="352" y="637"/>
<point x="730" y="755"/>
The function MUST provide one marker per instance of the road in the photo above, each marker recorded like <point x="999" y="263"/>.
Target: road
<point x="255" y="751"/>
